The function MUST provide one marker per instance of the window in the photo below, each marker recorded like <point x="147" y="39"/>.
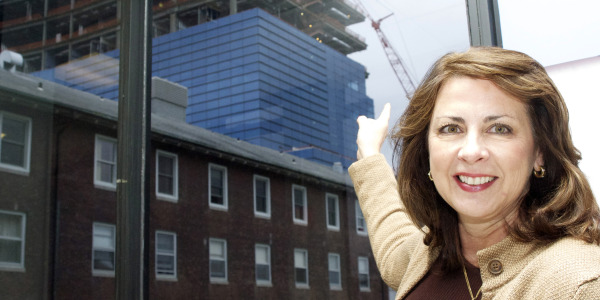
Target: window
<point x="301" y="267"/>
<point x="166" y="176"/>
<point x="218" y="260"/>
<point x="361" y="226"/>
<point x="105" y="173"/>
<point x="299" y="202"/>
<point x="15" y="142"/>
<point x="217" y="184"/>
<point x="335" y="272"/>
<point x="166" y="254"/>
<point x="12" y="240"/>
<point x="103" y="252"/>
<point x="263" y="264"/>
<point x="333" y="212"/>
<point x="262" y="196"/>
<point x="363" y="273"/>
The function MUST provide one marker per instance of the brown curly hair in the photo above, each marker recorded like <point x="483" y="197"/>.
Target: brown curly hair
<point x="559" y="205"/>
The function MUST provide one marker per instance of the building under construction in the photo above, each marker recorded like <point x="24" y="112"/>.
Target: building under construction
<point x="52" y="32"/>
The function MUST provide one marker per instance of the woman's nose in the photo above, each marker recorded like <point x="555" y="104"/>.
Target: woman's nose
<point x="473" y="149"/>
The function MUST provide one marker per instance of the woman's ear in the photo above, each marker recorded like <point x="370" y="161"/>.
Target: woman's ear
<point x="539" y="160"/>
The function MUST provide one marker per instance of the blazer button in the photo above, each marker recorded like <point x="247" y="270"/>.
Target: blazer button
<point x="495" y="267"/>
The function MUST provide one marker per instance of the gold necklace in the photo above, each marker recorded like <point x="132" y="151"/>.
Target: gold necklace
<point x="469" y="285"/>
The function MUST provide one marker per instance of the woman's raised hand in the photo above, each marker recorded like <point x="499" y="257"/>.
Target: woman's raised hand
<point x="372" y="133"/>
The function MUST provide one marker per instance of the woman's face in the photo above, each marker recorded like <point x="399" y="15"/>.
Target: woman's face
<point x="481" y="149"/>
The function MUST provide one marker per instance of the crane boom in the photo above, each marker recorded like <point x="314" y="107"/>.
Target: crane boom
<point x="392" y="56"/>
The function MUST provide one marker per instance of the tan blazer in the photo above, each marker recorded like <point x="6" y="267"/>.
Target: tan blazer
<point x="564" y="269"/>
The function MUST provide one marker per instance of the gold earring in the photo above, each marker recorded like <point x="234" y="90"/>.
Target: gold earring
<point x="429" y="175"/>
<point x="540" y="174"/>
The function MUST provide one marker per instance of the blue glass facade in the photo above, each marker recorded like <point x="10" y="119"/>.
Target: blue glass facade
<point x="253" y="77"/>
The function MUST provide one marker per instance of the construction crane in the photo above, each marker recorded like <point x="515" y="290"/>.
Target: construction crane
<point x="392" y="56"/>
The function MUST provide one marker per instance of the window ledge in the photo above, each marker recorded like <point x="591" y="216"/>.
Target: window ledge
<point x="105" y="186"/>
<point x="302" y="286"/>
<point x="166" y="197"/>
<point x="336" y="288"/>
<point x="12" y="269"/>
<point x="14" y="170"/>
<point x="365" y="289"/>
<point x="166" y="278"/>
<point x="217" y="207"/>
<point x="99" y="273"/>
<point x="300" y="222"/>
<point x="218" y="281"/>
<point x="264" y="284"/>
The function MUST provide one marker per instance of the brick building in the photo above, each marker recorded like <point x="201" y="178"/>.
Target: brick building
<point x="228" y="219"/>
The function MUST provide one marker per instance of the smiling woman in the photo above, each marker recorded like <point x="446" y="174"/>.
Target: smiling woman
<point x="488" y="172"/>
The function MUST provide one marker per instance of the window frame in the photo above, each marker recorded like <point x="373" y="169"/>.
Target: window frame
<point x="106" y="273"/>
<point x="360" y="218"/>
<point x="225" y="205"/>
<point x="10" y="266"/>
<point x="267" y="180"/>
<point x="336" y="199"/>
<point x="158" y="252"/>
<point x="334" y="286"/>
<point x="262" y="282"/>
<point x="304" y="253"/>
<point x="175" y="177"/>
<point x="298" y="221"/>
<point x="25" y="169"/>
<point x="97" y="182"/>
<point x="366" y="261"/>
<point x="223" y="280"/>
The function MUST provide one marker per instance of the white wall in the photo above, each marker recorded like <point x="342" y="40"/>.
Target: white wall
<point x="579" y="84"/>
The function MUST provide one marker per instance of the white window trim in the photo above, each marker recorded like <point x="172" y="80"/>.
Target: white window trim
<point x="163" y="196"/>
<point x="305" y="254"/>
<point x="261" y="282"/>
<point x="97" y="182"/>
<point x="335" y="287"/>
<point x="305" y="208"/>
<point x="225" y="204"/>
<point x="16" y="267"/>
<point x="366" y="260"/>
<point x="24" y="170"/>
<point x="359" y="214"/>
<point x="337" y="211"/>
<point x="261" y="214"/>
<point x="157" y="252"/>
<point x="218" y="279"/>
<point x="104" y="273"/>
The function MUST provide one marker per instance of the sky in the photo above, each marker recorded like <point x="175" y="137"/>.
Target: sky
<point x="551" y="31"/>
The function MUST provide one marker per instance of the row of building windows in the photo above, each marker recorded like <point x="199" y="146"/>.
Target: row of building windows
<point x="12" y="245"/>
<point x="15" y="144"/>
<point x="167" y="186"/>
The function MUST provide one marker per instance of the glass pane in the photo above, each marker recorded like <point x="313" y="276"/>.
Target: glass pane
<point x="107" y="151"/>
<point x="301" y="275"/>
<point x="14" y="130"/>
<point x="263" y="273"/>
<point x="334" y="278"/>
<point x="104" y="260"/>
<point x="217" y="249"/>
<point x="10" y="251"/>
<point x="217" y="269"/>
<point x="300" y="259"/>
<point x="165" y="185"/>
<point x="165" y="264"/>
<point x="10" y="225"/>
<point x="165" y="165"/>
<point x="363" y="280"/>
<point x="13" y="154"/>
<point x="334" y="262"/>
<point x="106" y="172"/>
<point x="165" y="243"/>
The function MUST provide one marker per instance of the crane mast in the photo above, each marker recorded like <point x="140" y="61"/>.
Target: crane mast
<point x="392" y="56"/>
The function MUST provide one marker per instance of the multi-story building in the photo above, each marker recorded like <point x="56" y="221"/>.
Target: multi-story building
<point x="52" y="32"/>
<point x="253" y="77"/>
<point x="228" y="219"/>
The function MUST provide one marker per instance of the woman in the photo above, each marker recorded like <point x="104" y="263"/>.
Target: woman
<point x="493" y="205"/>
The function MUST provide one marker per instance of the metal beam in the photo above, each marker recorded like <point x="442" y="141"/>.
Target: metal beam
<point x="484" y="23"/>
<point x="132" y="150"/>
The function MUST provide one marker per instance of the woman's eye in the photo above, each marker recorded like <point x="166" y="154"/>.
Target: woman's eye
<point x="500" y="129"/>
<point x="450" y="129"/>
